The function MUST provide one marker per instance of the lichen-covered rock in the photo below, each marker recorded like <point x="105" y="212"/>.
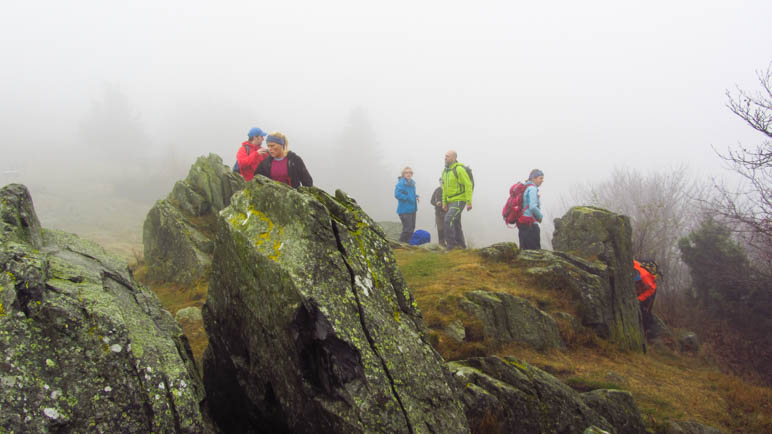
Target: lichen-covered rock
<point x="600" y="306"/>
<point x="18" y="221"/>
<point x="177" y="234"/>
<point x="311" y="325"/>
<point x="191" y="313"/>
<point x="618" y="408"/>
<point x="83" y="347"/>
<point x="507" y="318"/>
<point x="508" y="395"/>
<point x="605" y="239"/>
<point x="500" y="252"/>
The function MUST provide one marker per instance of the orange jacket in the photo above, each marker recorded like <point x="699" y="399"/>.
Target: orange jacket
<point x="648" y="282"/>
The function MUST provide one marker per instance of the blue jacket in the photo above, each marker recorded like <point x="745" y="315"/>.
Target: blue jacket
<point x="531" y="202"/>
<point x="405" y="194"/>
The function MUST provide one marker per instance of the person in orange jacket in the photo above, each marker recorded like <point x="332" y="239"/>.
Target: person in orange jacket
<point x="646" y="287"/>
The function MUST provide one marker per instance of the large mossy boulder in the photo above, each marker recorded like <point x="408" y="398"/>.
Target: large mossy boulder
<point x="618" y="408"/>
<point x="84" y="347"/>
<point x="508" y="318"/>
<point x="311" y="325"/>
<point x="604" y="240"/>
<point x="507" y="395"/>
<point x="177" y="234"/>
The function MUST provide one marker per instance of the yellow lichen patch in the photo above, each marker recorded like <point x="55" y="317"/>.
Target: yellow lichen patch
<point x="260" y="233"/>
<point x="2" y="311"/>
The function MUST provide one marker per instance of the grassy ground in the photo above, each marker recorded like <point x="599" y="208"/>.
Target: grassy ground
<point x="665" y="385"/>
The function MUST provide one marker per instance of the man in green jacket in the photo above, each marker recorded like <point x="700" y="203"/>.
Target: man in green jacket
<point x="457" y="189"/>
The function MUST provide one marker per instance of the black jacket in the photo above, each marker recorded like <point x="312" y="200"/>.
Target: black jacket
<point x="297" y="170"/>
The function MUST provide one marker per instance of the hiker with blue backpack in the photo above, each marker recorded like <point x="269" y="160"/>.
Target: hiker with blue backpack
<point x="250" y="154"/>
<point x="407" y="203"/>
<point x="457" y="189"/>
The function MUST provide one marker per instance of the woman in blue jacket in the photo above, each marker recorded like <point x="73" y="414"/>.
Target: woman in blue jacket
<point x="407" y="203"/>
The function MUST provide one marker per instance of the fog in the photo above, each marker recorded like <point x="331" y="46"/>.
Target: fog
<point x="104" y="104"/>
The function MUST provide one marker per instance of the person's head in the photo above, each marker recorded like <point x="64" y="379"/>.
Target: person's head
<point x="407" y="173"/>
<point x="536" y="176"/>
<point x="256" y="135"/>
<point x="450" y="157"/>
<point x="440" y="181"/>
<point x="277" y="144"/>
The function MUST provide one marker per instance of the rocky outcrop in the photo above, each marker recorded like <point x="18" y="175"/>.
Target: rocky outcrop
<point x="500" y="252"/>
<point x="508" y="395"/>
<point x="618" y="408"/>
<point x="604" y="240"/>
<point x="178" y="231"/>
<point x="311" y="325"/>
<point x="589" y="284"/>
<point x="507" y="318"/>
<point x="84" y="347"/>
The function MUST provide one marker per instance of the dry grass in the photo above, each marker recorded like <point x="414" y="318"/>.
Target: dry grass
<point x="665" y="385"/>
<point x="175" y="297"/>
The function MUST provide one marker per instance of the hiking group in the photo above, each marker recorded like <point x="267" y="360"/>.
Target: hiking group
<point x="275" y="161"/>
<point x="449" y="200"/>
<point x="454" y="194"/>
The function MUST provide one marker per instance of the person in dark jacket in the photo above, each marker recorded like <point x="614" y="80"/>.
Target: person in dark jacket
<point x="250" y="154"/>
<point x="439" y="215"/>
<point x="407" y="203"/>
<point x="282" y="164"/>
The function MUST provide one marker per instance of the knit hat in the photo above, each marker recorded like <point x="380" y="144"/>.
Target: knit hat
<point x="535" y="173"/>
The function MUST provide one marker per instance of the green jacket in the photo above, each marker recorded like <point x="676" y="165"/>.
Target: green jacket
<point x="456" y="188"/>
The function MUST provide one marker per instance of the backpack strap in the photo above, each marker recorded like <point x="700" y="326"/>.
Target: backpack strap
<point x="463" y="187"/>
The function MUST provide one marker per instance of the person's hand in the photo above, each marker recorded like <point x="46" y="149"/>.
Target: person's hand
<point x="417" y="199"/>
<point x="439" y="203"/>
<point x="262" y="151"/>
<point x="445" y="207"/>
<point x="469" y="207"/>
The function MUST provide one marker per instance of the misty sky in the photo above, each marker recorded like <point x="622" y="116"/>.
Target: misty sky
<point x="573" y="88"/>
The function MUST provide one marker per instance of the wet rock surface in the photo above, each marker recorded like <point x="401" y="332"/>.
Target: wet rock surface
<point x="311" y="325"/>
<point x="177" y="233"/>
<point x="509" y="395"/>
<point x="603" y="239"/>
<point x="618" y="408"/>
<point x="84" y="347"/>
<point x="507" y="318"/>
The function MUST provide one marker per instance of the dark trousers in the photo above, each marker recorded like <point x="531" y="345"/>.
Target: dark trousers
<point x="439" y="220"/>
<point x="646" y="312"/>
<point x="454" y="233"/>
<point x="530" y="236"/>
<point x="408" y="226"/>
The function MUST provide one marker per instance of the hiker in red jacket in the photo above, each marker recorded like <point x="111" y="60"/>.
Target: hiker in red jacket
<point x="646" y="288"/>
<point x="251" y="154"/>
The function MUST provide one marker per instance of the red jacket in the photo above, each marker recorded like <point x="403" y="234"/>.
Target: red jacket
<point x="648" y="285"/>
<point x="248" y="163"/>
